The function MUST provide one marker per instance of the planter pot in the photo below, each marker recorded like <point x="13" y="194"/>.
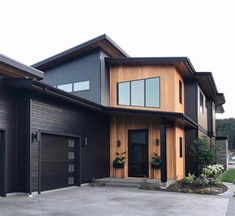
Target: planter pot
<point x="118" y="165"/>
<point x="156" y="166"/>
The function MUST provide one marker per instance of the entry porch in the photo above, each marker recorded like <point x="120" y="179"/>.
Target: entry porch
<point x="138" y="138"/>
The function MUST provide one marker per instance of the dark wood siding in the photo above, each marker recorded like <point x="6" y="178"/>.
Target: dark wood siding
<point x="53" y="116"/>
<point x="190" y="136"/>
<point x="23" y="136"/>
<point x="191" y="106"/>
<point x="8" y="113"/>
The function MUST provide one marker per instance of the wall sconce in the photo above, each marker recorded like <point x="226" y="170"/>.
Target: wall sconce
<point x="157" y="142"/>
<point x="34" y="137"/>
<point x="118" y="143"/>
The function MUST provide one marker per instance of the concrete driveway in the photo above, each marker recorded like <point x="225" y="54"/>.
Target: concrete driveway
<point x="103" y="201"/>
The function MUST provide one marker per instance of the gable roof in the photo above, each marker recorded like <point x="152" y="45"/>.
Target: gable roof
<point x="103" y="42"/>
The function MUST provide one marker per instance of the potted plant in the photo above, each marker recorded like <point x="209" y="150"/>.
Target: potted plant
<point x="118" y="162"/>
<point x="156" y="161"/>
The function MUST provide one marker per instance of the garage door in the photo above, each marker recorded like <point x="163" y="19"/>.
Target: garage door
<point x="57" y="162"/>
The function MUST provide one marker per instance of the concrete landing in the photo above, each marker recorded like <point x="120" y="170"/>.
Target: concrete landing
<point x="134" y="182"/>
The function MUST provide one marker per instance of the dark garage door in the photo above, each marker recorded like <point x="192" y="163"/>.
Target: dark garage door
<point x="57" y="162"/>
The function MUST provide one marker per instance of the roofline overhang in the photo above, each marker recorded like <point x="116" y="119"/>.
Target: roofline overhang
<point x="103" y="42"/>
<point x="20" y="69"/>
<point x="54" y="92"/>
<point x="175" y="61"/>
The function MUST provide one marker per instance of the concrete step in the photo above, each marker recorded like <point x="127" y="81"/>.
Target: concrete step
<point x="131" y="182"/>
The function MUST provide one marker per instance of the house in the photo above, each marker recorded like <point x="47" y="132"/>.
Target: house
<point x="62" y="120"/>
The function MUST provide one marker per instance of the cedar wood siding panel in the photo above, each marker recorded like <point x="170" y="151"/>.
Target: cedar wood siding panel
<point x="57" y="117"/>
<point x="8" y="118"/>
<point x="169" y="85"/>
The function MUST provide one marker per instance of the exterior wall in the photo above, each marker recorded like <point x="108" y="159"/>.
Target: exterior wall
<point x="54" y="116"/>
<point x="191" y="99"/>
<point x="119" y="126"/>
<point x="202" y="117"/>
<point x="169" y="85"/>
<point x="179" y="162"/>
<point x="8" y="119"/>
<point x="84" y="68"/>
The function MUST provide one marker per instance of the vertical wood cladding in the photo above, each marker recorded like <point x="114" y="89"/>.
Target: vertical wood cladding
<point x="56" y="117"/>
<point x="8" y="113"/>
<point x="169" y="85"/>
<point x="119" y="127"/>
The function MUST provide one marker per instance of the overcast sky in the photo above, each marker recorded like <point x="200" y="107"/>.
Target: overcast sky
<point x="203" y="30"/>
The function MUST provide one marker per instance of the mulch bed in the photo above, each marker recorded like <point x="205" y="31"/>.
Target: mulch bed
<point x="209" y="189"/>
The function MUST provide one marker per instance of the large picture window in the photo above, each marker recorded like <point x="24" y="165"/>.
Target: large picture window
<point x="144" y="92"/>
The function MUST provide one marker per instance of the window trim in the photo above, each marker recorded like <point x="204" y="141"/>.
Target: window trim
<point x="117" y="92"/>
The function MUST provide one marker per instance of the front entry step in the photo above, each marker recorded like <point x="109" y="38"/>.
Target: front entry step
<point x="133" y="182"/>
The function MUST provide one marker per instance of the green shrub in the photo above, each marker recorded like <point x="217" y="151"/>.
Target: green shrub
<point x="189" y="179"/>
<point x="202" y="180"/>
<point x="202" y="153"/>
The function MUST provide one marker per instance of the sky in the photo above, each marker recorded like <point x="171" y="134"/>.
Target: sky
<point x="203" y="30"/>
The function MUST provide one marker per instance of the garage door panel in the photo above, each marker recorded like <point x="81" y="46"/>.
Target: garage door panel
<point x="57" y="162"/>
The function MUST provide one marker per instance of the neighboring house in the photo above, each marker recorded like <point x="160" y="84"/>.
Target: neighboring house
<point x="63" y="127"/>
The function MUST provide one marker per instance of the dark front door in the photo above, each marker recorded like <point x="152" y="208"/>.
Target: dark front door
<point x="57" y="162"/>
<point x="138" y="153"/>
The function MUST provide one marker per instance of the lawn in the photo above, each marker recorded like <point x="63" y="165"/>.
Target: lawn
<point x="229" y="176"/>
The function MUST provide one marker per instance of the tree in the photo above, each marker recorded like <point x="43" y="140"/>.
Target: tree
<point x="226" y="127"/>
<point x="203" y="154"/>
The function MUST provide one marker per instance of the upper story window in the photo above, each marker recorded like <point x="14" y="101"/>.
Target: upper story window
<point x="180" y="91"/>
<point x="74" y="87"/>
<point x="81" y="86"/>
<point x="66" y="87"/>
<point x="201" y="102"/>
<point x="144" y="92"/>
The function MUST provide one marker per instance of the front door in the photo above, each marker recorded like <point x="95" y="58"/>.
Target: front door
<point x="138" y="153"/>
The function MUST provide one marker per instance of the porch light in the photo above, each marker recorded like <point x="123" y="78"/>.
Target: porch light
<point x="157" y="142"/>
<point x="118" y="143"/>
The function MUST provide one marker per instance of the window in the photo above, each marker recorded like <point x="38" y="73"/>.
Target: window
<point x="70" y="180"/>
<point x="145" y="92"/>
<point x="201" y="102"/>
<point x="71" y="143"/>
<point x="181" y="147"/>
<point x="152" y="89"/>
<point x="180" y="91"/>
<point x="71" y="168"/>
<point x="137" y="93"/>
<point x="66" y="87"/>
<point x="124" y="93"/>
<point x="81" y="86"/>
<point x="71" y="155"/>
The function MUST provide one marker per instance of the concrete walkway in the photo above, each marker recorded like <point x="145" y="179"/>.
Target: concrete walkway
<point x="116" y="202"/>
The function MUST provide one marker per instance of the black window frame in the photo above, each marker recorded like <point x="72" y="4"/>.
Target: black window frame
<point x="130" y="81"/>
<point x="180" y="92"/>
<point x="180" y="147"/>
